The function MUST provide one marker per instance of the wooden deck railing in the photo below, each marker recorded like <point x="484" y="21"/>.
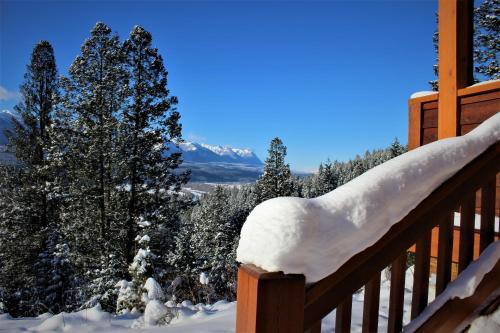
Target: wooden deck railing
<point x="275" y="302"/>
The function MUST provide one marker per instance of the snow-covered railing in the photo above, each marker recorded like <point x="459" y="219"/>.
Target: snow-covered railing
<point x="321" y="251"/>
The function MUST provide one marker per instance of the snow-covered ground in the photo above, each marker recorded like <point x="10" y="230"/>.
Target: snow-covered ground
<point x="486" y="324"/>
<point x="219" y="317"/>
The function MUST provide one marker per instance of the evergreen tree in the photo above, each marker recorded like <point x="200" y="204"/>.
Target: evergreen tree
<point x="396" y="149"/>
<point x="487" y="39"/>
<point x="183" y="261"/>
<point x="86" y="150"/>
<point x="150" y="123"/>
<point x="131" y="294"/>
<point x="95" y="92"/>
<point x="276" y="181"/>
<point x="27" y="207"/>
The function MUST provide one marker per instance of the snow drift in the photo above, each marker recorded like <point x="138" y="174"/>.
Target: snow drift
<point x="316" y="236"/>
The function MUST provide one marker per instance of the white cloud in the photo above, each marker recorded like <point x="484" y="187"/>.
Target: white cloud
<point x="7" y="95"/>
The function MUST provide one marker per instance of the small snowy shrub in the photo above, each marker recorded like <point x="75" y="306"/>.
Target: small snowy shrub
<point x="128" y="297"/>
<point x="3" y="307"/>
<point x="156" y="313"/>
<point x="142" y="265"/>
<point x="154" y="291"/>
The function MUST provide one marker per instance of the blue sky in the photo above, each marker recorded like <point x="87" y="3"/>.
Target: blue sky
<point x="330" y="78"/>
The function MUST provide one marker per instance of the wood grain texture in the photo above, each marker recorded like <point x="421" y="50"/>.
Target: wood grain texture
<point x="414" y="120"/>
<point x="269" y="302"/>
<point x="430" y="118"/>
<point x="480" y="89"/>
<point x="455" y="61"/>
<point x="476" y="113"/>
<point x="464" y="129"/>
<point x="429" y="135"/>
<point x="426" y="98"/>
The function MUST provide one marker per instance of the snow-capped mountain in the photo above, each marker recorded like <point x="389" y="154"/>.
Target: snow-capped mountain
<point x="219" y="164"/>
<point x="6" y="124"/>
<point x="193" y="152"/>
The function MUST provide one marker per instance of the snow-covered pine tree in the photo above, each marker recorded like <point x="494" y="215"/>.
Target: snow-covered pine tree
<point x="223" y="260"/>
<point x="131" y="294"/>
<point x="101" y="285"/>
<point x="276" y="181"/>
<point x="95" y="92"/>
<point x="28" y="209"/>
<point x="216" y="225"/>
<point x="55" y="275"/>
<point x="150" y="124"/>
<point x="183" y="262"/>
<point x="87" y="150"/>
<point x="396" y="149"/>
<point x="487" y="39"/>
<point x="326" y="178"/>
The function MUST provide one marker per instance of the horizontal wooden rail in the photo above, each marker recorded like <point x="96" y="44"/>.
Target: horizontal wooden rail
<point x="327" y="294"/>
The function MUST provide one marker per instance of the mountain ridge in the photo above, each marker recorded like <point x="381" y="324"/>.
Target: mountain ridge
<point x="193" y="152"/>
<point x="6" y="123"/>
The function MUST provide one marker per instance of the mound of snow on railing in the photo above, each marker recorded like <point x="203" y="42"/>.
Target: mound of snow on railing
<point x="316" y="236"/>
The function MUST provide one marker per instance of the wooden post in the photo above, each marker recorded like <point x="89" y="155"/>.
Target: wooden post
<point x="414" y="124"/>
<point x="455" y="61"/>
<point x="269" y="302"/>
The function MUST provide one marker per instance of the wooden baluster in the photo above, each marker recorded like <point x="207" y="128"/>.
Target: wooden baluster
<point x="445" y="248"/>
<point x="396" y="298"/>
<point x="487" y="214"/>
<point x="371" y="305"/>
<point x="466" y="246"/>
<point x="421" y="275"/>
<point x="269" y="302"/>
<point x="343" y="316"/>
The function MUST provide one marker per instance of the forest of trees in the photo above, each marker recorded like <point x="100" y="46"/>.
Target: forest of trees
<point x="93" y="212"/>
<point x="94" y="174"/>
